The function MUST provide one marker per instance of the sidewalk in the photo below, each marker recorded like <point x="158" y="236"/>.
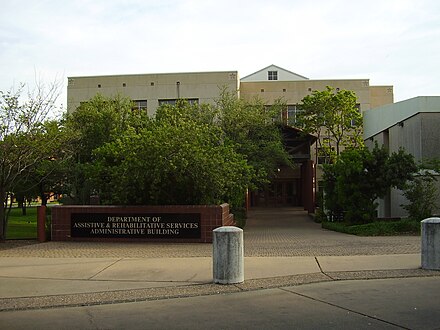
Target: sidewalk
<point x="25" y="282"/>
<point x="31" y="277"/>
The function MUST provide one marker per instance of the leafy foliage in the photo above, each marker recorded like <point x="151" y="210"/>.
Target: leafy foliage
<point x="173" y="160"/>
<point x="185" y="154"/>
<point x="421" y="192"/>
<point x="96" y="122"/>
<point x="334" y="118"/>
<point x="250" y="127"/>
<point x="27" y="141"/>
<point x="361" y="176"/>
<point x="376" y="228"/>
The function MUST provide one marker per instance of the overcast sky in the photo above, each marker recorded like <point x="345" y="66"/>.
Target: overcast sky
<point x="389" y="42"/>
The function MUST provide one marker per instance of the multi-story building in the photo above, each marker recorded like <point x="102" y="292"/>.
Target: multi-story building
<point x="274" y="83"/>
<point x="149" y="91"/>
<point x="294" y="187"/>
<point x="412" y="125"/>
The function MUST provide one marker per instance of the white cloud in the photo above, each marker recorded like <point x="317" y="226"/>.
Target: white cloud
<point x="390" y="42"/>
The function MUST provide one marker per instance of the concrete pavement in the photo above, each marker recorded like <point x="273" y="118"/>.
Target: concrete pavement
<point x="27" y="277"/>
<point x="404" y="303"/>
<point x="282" y="262"/>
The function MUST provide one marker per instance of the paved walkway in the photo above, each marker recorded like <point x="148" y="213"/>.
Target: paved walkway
<point x="281" y="232"/>
<point x="284" y="248"/>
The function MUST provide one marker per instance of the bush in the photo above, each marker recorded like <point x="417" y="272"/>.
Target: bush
<point x="422" y="195"/>
<point x="377" y="228"/>
<point x="359" y="177"/>
<point x="240" y="216"/>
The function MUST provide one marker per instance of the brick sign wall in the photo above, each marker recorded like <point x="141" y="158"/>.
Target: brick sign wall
<point x="173" y="223"/>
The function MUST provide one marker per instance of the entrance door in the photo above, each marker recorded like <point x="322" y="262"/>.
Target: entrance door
<point x="279" y="193"/>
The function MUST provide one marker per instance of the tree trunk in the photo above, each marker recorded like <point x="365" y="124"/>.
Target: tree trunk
<point x="43" y="195"/>
<point x="21" y="200"/>
<point x="23" y="208"/>
<point x="2" y="216"/>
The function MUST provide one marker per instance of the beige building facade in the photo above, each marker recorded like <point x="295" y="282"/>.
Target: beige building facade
<point x="149" y="91"/>
<point x="274" y="83"/>
<point x="270" y="84"/>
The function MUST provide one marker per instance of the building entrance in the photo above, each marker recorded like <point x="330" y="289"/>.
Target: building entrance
<point x="279" y="193"/>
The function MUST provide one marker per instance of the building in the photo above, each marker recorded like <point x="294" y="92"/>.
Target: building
<point x="291" y="187"/>
<point x="411" y="124"/>
<point x="149" y="91"/>
<point x="274" y="83"/>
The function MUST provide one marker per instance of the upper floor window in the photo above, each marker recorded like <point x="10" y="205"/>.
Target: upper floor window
<point x="272" y="75"/>
<point x="358" y="107"/>
<point x="174" y="101"/>
<point x="168" y="101"/>
<point x="140" y="104"/>
<point x="292" y="114"/>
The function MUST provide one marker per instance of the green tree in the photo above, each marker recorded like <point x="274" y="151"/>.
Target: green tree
<point x="91" y="125"/>
<point x="48" y="176"/>
<point x="334" y="117"/>
<point x="359" y="177"/>
<point x="42" y="179"/>
<point x="185" y="154"/>
<point x="251" y="128"/>
<point x="421" y="192"/>
<point x="175" y="159"/>
<point x="26" y="140"/>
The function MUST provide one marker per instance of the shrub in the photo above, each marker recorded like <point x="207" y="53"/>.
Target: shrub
<point x="422" y="195"/>
<point x="376" y="228"/>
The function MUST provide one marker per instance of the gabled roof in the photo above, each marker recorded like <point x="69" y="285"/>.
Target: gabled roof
<point x="283" y="75"/>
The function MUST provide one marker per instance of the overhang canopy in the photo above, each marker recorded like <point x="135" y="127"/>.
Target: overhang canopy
<point x="297" y="143"/>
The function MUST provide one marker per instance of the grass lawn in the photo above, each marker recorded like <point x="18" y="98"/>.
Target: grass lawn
<point x="22" y="227"/>
<point x="377" y="228"/>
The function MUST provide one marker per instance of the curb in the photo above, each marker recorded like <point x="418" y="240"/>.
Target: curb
<point x="160" y="293"/>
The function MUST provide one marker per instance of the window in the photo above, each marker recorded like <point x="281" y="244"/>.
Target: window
<point x="272" y="75"/>
<point x="325" y="152"/>
<point x="358" y="107"/>
<point x="170" y="102"/>
<point x="140" y="104"/>
<point x="173" y="101"/>
<point x="292" y="113"/>
<point x="323" y="156"/>
<point x="278" y="117"/>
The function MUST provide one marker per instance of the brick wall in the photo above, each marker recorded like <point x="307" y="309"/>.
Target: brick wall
<point x="211" y="217"/>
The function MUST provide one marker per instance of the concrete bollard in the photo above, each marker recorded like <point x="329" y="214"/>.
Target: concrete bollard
<point x="228" y="255"/>
<point x="431" y="243"/>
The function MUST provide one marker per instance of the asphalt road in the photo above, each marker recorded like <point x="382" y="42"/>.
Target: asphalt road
<point x="406" y="303"/>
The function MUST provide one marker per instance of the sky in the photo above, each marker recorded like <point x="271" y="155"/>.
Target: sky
<point x="390" y="42"/>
